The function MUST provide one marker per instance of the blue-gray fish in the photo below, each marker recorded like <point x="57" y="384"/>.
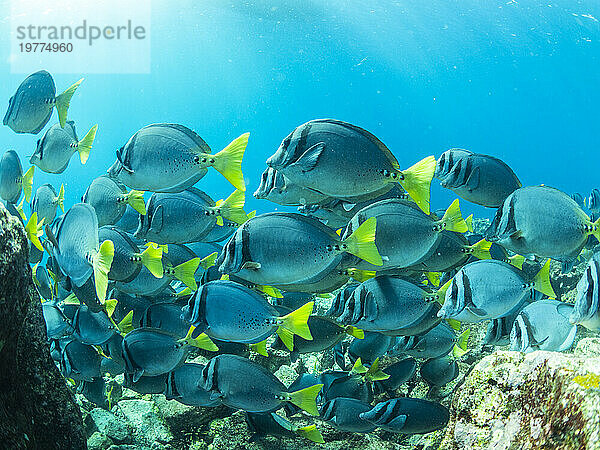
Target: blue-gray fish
<point x="77" y="248"/>
<point x="489" y="289"/>
<point x="542" y="221"/>
<point x="12" y="179"/>
<point x="405" y="235"/>
<point x="285" y="248"/>
<point x="408" y="416"/>
<point x="29" y="110"/>
<point x="110" y="199"/>
<point x="371" y="347"/>
<point x="400" y="372"/>
<point x="167" y="157"/>
<point x="229" y="311"/>
<point x="188" y="216"/>
<point x="543" y="325"/>
<point x="46" y="201"/>
<point x="276" y="188"/>
<point x="345" y="415"/>
<point x="167" y="317"/>
<point x="55" y="148"/>
<point x="586" y="310"/>
<point x="151" y="352"/>
<point x="481" y="179"/>
<point x="391" y="305"/>
<point x="128" y="258"/>
<point x="93" y="328"/>
<point x="342" y="160"/>
<point x="439" y="371"/>
<point x="243" y="384"/>
<point x="183" y="385"/>
<point x="79" y="361"/>
<point x="437" y="342"/>
<point x="57" y="324"/>
<point x="145" y="384"/>
<point x="42" y="282"/>
<point x="593" y="201"/>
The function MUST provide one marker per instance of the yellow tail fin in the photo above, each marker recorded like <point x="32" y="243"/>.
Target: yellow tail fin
<point x="34" y="230"/>
<point x="361" y="275"/>
<point x="229" y="161"/>
<point x="297" y="321"/>
<point x="453" y="219"/>
<point x="306" y="399"/>
<point x="375" y="373"/>
<point x="434" y="278"/>
<point x="126" y="325"/>
<point x="84" y="146"/>
<point x="517" y="261"/>
<point x="152" y="259"/>
<point x="101" y="264"/>
<point x="27" y="183"/>
<point x="135" y="199"/>
<point x="63" y="101"/>
<point x="541" y="281"/>
<point x="353" y="331"/>
<point x="481" y="249"/>
<point x="233" y="208"/>
<point x="269" y="290"/>
<point x="312" y="433"/>
<point x="361" y="242"/>
<point x="184" y="272"/>
<point x="202" y="341"/>
<point x="440" y="294"/>
<point x="416" y="181"/>
<point x="60" y="200"/>
<point x="260" y="348"/>
<point x="358" y="367"/>
<point x="208" y="261"/>
<point x="110" y="305"/>
<point x="20" y="209"/>
<point x="454" y="324"/>
<point x="287" y="337"/>
<point x="469" y="222"/>
<point x="460" y="348"/>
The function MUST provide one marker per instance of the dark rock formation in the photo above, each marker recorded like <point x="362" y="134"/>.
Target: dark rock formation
<point x="36" y="409"/>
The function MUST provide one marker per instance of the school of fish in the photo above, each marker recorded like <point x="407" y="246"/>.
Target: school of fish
<point x="149" y="271"/>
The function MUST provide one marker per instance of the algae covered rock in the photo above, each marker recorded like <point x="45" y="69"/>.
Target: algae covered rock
<point x="542" y="399"/>
<point x="36" y="408"/>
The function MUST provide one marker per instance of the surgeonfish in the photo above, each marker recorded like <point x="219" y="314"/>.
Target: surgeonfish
<point x="243" y="384"/>
<point x="317" y="150"/>
<point x="586" y="310"/>
<point x="12" y="179"/>
<point x="78" y="251"/>
<point x="408" y="416"/>
<point x="284" y="248"/>
<point x="30" y="109"/>
<point x="57" y="145"/>
<point x="543" y="325"/>
<point x="481" y="179"/>
<point x="488" y="289"/>
<point x="542" y="221"/>
<point x="111" y="200"/>
<point x="46" y="201"/>
<point x="165" y="157"/>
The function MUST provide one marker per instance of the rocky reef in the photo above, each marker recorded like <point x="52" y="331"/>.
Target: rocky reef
<point x="37" y="410"/>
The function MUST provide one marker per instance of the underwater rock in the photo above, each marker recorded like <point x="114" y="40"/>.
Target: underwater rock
<point x="109" y="424"/>
<point x="38" y="411"/>
<point x="143" y="417"/>
<point x="536" y="400"/>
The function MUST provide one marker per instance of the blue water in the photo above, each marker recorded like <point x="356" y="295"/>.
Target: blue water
<point x="514" y="79"/>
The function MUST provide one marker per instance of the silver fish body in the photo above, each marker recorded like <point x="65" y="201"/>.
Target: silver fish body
<point x="543" y="325"/>
<point x="55" y="149"/>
